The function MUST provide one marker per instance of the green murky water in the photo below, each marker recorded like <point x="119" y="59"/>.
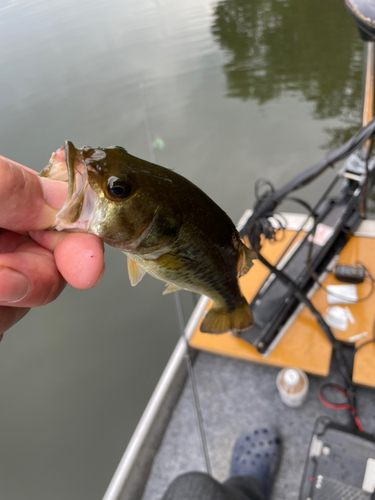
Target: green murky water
<point x="228" y="92"/>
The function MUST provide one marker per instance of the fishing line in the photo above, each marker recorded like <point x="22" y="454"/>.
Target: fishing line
<point x="146" y="121"/>
<point x="180" y="315"/>
<point x="190" y="369"/>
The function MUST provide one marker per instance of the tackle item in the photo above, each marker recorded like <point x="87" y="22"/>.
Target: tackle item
<point x="340" y="464"/>
<point x="349" y="274"/>
<point x="293" y="386"/>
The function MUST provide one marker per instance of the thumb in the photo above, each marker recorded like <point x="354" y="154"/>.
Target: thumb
<point x="27" y="202"/>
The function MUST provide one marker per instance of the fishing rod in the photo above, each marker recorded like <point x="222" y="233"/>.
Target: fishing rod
<point x="178" y="303"/>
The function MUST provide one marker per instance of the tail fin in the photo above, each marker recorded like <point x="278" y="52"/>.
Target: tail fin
<point x="218" y="320"/>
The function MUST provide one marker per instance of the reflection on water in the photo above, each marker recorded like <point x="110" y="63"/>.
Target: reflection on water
<point x="278" y="46"/>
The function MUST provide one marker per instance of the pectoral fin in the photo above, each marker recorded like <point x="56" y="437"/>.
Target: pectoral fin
<point x="171" y="288"/>
<point x="136" y="272"/>
<point x="247" y="262"/>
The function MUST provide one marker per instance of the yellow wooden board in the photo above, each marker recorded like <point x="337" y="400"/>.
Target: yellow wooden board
<point x="304" y="345"/>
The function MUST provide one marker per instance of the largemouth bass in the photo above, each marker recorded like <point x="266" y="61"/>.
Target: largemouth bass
<point x="165" y="225"/>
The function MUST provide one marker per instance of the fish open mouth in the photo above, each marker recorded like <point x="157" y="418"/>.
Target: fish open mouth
<point x="67" y="165"/>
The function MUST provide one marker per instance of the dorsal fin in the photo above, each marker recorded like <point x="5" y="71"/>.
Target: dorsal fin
<point x="136" y="272"/>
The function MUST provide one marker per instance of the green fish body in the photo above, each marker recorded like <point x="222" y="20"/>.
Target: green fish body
<point x="164" y="224"/>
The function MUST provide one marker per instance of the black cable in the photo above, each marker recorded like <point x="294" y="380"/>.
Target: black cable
<point x="304" y="204"/>
<point x="346" y="372"/>
<point x="344" y="368"/>
<point x="363" y="345"/>
<point x="280" y="229"/>
<point x="339" y="154"/>
<point x="309" y="255"/>
<point x="267" y="204"/>
<point x="340" y="406"/>
<point x="259" y="183"/>
<point x="263" y="225"/>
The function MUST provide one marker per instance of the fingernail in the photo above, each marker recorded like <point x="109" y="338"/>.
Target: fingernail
<point x="14" y="286"/>
<point x="54" y="192"/>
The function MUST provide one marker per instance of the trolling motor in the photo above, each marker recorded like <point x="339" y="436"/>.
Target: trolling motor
<point x="335" y="217"/>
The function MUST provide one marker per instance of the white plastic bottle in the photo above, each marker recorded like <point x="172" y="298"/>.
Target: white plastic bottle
<point x="293" y="386"/>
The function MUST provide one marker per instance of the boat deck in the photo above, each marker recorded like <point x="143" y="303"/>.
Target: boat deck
<point x="236" y="395"/>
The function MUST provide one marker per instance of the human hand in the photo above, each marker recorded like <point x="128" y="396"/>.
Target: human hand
<point x="35" y="265"/>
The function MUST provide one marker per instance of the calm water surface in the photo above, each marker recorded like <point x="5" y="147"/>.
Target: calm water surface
<point x="230" y="91"/>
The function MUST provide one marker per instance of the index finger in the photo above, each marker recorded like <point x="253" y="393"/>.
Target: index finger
<point x="27" y="202"/>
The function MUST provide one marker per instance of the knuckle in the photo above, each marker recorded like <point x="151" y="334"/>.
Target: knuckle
<point x="13" y="179"/>
<point x="19" y="191"/>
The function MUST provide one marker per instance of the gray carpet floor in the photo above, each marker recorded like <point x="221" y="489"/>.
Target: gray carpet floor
<point x="234" y="396"/>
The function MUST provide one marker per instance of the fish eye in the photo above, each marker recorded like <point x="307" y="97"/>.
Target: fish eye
<point x="118" y="189"/>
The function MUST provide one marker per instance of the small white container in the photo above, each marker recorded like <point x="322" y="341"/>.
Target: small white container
<point x="293" y="386"/>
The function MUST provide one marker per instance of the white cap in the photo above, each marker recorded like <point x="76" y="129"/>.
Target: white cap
<point x="291" y="377"/>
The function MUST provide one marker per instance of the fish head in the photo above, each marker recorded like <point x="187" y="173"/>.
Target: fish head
<point x="107" y="196"/>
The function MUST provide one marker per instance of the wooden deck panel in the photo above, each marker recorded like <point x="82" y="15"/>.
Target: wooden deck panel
<point x="304" y="345"/>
